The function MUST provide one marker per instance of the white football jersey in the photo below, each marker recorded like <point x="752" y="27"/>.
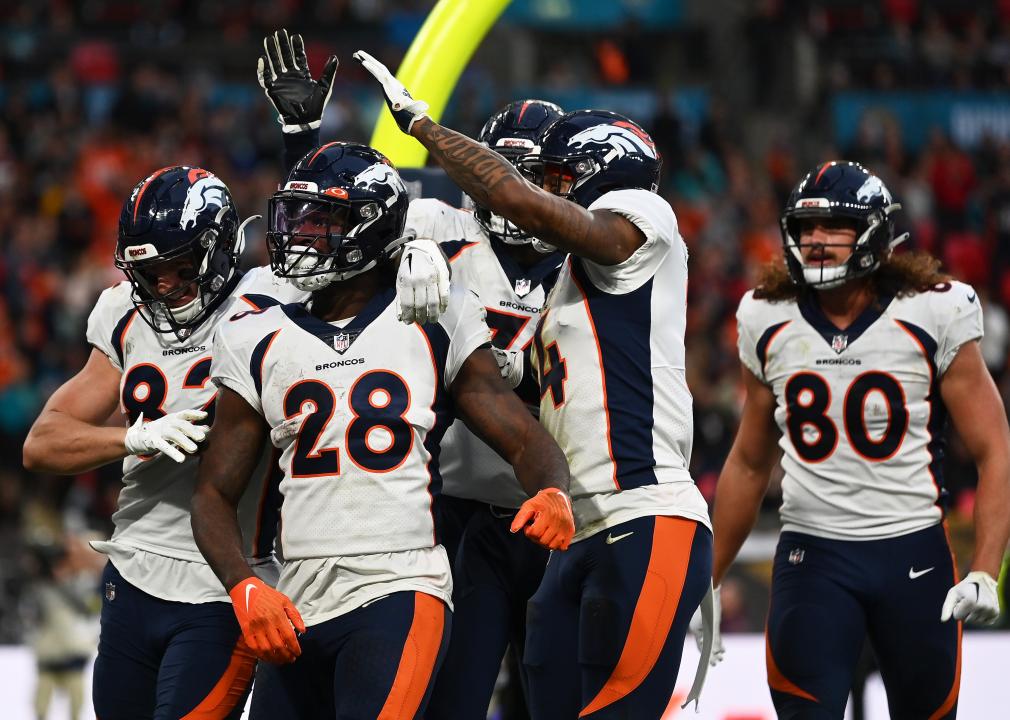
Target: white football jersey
<point x="161" y="374"/>
<point x="512" y="298"/>
<point x="860" y="409"/>
<point x="363" y="405"/>
<point x="609" y="352"/>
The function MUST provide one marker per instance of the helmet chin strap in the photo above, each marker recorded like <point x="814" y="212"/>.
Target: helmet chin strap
<point x="185" y="313"/>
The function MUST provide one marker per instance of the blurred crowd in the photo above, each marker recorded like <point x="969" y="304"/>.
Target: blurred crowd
<point x="97" y="95"/>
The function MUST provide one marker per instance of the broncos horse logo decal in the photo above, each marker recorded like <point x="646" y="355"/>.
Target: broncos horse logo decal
<point x="622" y="137"/>
<point x="206" y="191"/>
<point x="380" y="174"/>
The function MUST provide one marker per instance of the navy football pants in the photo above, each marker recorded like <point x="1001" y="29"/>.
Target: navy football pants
<point x="376" y="662"/>
<point x="606" y="629"/>
<point x="494" y="573"/>
<point x="167" y="660"/>
<point x="828" y="595"/>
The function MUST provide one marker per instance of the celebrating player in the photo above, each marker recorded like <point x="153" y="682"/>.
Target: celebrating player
<point x="494" y="571"/>
<point x="607" y="625"/>
<point x="357" y="402"/>
<point x="169" y="642"/>
<point x="857" y="356"/>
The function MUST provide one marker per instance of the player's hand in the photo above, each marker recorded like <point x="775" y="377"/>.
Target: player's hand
<point x="406" y="110"/>
<point x="284" y="76"/>
<point x="268" y="620"/>
<point x="697" y="628"/>
<point x="975" y="599"/>
<point x="422" y="283"/>
<point x="510" y="365"/>
<point x="173" y="435"/>
<point x="547" y="519"/>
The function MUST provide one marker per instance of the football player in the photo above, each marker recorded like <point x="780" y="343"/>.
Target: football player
<point x="494" y="571"/>
<point x="606" y="627"/>
<point x="852" y="360"/>
<point x="169" y="642"/>
<point x="357" y="403"/>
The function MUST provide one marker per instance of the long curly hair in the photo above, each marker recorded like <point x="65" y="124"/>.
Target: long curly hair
<point x="900" y="275"/>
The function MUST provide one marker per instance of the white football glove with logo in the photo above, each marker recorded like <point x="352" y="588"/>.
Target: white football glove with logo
<point x="510" y="365"/>
<point x="168" y="435"/>
<point x="975" y="599"/>
<point x="697" y="628"/>
<point x="405" y="109"/>
<point x="422" y="283"/>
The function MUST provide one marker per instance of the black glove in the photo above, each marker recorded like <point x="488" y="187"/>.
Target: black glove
<point x="284" y="76"/>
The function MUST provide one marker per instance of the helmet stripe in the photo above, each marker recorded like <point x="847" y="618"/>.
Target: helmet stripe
<point x="316" y="154"/>
<point x="522" y="111"/>
<point x="824" y="167"/>
<point x="136" y="203"/>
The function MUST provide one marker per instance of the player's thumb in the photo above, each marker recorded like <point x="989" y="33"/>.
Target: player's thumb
<point x="294" y="616"/>
<point x="948" y="606"/>
<point x="522" y="517"/>
<point x="329" y="72"/>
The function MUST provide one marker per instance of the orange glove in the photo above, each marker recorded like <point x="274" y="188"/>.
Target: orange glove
<point x="268" y="620"/>
<point x="553" y="524"/>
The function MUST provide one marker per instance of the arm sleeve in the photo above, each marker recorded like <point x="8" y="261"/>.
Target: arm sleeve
<point x="959" y="322"/>
<point x="296" y="146"/>
<point x="228" y="369"/>
<point x="655" y="218"/>
<point x="109" y="313"/>
<point x="464" y="322"/>
<point x="747" y="336"/>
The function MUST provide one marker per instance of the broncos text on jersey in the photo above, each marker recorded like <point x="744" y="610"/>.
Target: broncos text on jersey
<point x="159" y="375"/>
<point x="512" y="298"/>
<point x="860" y="409"/>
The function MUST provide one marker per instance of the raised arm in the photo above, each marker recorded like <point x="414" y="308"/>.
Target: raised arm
<point x="601" y="236"/>
<point x="973" y="401"/>
<point x="744" y="479"/>
<point x="494" y="412"/>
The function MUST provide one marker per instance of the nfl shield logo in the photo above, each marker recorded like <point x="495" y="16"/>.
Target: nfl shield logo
<point x="522" y="286"/>
<point x="341" y="341"/>
<point x="839" y="343"/>
<point x="795" y="556"/>
<point x="110" y="591"/>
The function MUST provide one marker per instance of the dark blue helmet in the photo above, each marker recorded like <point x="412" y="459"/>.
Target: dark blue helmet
<point x="341" y="213"/>
<point x="848" y="192"/>
<point x="184" y="216"/>
<point x="587" y="153"/>
<point x="512" y="132"/>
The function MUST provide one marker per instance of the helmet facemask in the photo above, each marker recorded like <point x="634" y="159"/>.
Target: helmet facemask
<point x="317" y="240"/>
<point x="870" y="247"/>
<point x="560" y="176"/>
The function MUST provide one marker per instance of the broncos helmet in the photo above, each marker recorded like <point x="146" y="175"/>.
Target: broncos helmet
<point x="846" y="191"/>
<point x="176" y="214"/>
<point x="340" y="214"/>
<point x="587" y="153"/>
<point x="512" y="132"/>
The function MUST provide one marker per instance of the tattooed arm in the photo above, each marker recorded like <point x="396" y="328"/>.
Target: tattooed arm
<point x="601" y="236"/>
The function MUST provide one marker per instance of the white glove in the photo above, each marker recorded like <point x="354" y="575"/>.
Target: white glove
<point x="405" y="109"/>
<point x="422" y="283"/>
<point x="975" y="599"/>
<point x="169" y="434"/>
<point x="510" y="365"/>
<point x="697" y="628"/>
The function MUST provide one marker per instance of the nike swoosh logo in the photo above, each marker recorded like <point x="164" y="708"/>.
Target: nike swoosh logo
<point x="612" y="539"/>
<point x="248" y="589"/>
<point x="971" y="298"/>
<point x="913" y="573"/>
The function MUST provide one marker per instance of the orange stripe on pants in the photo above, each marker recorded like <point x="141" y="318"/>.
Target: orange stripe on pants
<point x="224" y="696"/>
<point x="778" y="681"/>
<point x="417" y="663"/>
<point x="654" y="612"/>
<point x="955" y="689"/>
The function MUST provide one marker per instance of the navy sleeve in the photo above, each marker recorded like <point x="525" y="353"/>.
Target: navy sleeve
<point x="297" y="146"/>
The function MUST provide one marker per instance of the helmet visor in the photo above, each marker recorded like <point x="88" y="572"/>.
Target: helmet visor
<point x="309" y="218"/>
<point x="555" y="175"/>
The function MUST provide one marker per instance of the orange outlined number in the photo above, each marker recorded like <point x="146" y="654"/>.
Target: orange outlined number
<point x="379" y="438"/>
<point x="552" y="371"/>
<point x="307" y="460"/>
